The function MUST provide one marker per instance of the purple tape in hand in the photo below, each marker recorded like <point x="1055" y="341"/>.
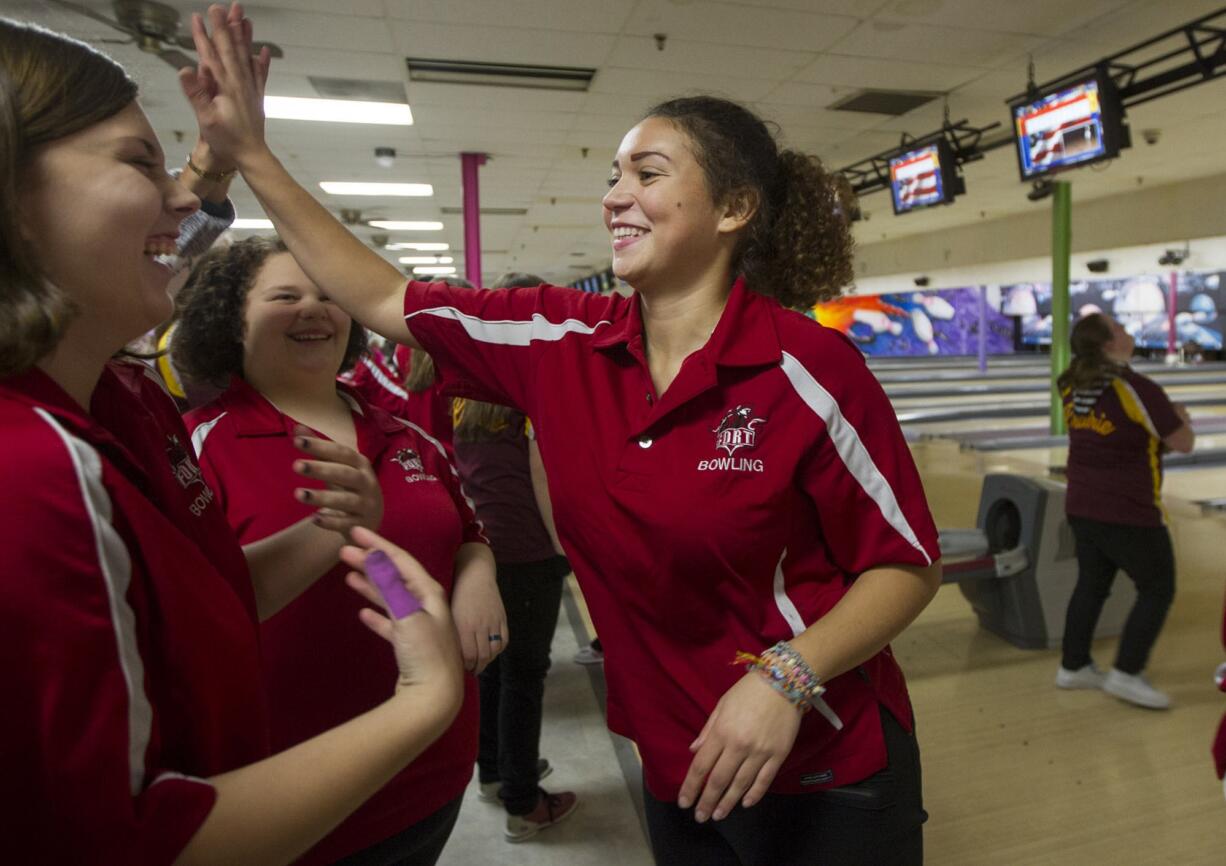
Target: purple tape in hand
<point x="384" y="575"/>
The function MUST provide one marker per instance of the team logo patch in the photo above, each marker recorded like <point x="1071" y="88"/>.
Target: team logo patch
<point x="182" y="466"/>
<point x="737" y="430"/>
<point x="408" y="460"/>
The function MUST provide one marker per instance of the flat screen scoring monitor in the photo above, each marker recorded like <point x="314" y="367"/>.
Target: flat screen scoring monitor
<point x="1073" y="125"/>
<point x="921" y="178"/>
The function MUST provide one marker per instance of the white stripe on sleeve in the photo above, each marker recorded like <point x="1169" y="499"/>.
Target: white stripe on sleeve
<point x="797" y="625"/>
<point x="384" y="382"/>
<point x="510" y="333"/>
<point x="116" y="566"/>
<point x="472" y="506"/>
<point x="851" y="449"/>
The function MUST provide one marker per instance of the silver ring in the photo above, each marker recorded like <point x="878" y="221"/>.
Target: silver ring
<point x="494" y="638"/>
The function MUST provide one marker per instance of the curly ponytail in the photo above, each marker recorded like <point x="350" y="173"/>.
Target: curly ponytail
<point x="798" y="246"/>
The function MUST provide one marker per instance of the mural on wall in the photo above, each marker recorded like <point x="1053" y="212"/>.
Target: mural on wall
<point x="942" y="322"/>
<point x="1138" y="303"/>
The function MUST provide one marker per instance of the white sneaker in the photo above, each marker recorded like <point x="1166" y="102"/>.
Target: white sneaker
<point x="589" y="655"/>
<point x="1136" y="690"/>
<point x="1088" y="677"/>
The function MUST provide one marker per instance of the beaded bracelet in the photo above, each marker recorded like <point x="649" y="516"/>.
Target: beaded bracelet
<point x="787" y="673"/>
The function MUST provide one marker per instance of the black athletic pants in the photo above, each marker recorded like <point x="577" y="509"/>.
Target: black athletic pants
<point x="876" y="822"/>
<point x="1145" y="554"/>
<point x="513" y="685"/>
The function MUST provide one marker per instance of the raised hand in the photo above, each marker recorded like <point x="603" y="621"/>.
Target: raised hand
<point x="353" y="497"/>
<point x="226" y="90"/>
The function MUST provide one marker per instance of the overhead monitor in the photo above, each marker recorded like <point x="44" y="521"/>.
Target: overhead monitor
<point x="924" y="177"/>
<point x="1069" y="125"/>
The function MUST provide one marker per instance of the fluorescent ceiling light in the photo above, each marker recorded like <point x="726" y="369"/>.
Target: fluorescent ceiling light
<point x="338" y="110"/>
<point x="423" y="247"/>
<point x="434" y="271"/>
<point x="426" y="260"/>
<point x="406" y="225"/>
<point x="337" y="187"/>
<point x="251" y="224"/>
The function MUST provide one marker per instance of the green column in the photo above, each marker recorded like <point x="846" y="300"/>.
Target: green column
<point x="1061" y="248"/>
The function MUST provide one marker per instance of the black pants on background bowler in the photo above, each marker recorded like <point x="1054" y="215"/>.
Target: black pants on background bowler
<point x="876" y="822"/>
<point x="1145" y="554"/>
<point x="513" y="685"/>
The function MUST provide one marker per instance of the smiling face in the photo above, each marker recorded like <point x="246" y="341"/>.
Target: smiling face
<point x="96" y="207"/>
<point x="665" y="228"/>
<point x="290" y="326"/>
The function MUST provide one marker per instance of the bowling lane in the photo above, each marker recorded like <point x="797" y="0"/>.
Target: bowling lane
<point x="997" y="399"/>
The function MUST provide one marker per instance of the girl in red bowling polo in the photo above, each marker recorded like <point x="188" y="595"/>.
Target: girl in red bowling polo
<point x="259" y="324"/>
<point x="134" y="725"/>
<point x="729" y="481"/>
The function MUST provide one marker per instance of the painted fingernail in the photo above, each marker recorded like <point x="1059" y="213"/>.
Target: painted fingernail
<point x="304" y="495"/>
<point x="301" y="442"/>
<point x="302" y="467"/>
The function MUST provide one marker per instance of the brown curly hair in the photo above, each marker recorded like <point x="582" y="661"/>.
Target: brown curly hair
<point x="798" y="246"/>
<point x="50" y="86"/>
<point x="208" y="342"/>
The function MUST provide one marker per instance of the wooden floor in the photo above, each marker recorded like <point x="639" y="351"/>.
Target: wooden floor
<point x="1019" y="772"/>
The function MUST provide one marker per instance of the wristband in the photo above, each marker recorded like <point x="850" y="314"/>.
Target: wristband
<point x="788" y="673"/>
<point x="210" y="176"/>
<point x="386" y="577"/>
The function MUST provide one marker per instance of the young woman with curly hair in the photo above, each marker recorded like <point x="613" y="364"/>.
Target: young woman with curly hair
<point x="135" y="728"/>
<point x="256" y="322"/>
<point x="729" y="481"/>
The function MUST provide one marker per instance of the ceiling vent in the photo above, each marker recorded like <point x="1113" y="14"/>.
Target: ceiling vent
<point x="487" y="211"/>
<point x="363" y="91"/>
<point x="499" y="74"/>
<point x="894" y="103"/>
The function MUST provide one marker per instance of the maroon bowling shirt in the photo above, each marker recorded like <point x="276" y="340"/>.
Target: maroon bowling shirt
<point x="322" y="667"/>
<point x="378" y="383"/>
<point x="131" y="666"/>
<point x="1115" y="433"/>
<point x="726" y="514"/>
<point x="497" y="477"/>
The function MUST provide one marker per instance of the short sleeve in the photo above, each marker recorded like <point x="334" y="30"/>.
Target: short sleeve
<point x="1157" y="405"/>
<point x="859" y="474"/>
<point x="486" y="344"/>
<point x="83" y="777"/>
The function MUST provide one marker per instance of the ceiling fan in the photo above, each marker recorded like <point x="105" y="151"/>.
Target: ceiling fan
<point x="154" y="28"/>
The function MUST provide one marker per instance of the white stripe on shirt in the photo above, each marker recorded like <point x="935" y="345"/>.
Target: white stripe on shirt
<point x="383" y="380"/>
<point x="202" y="432"/>
<point x="511" y="333"/>
<point x="851" y="449"/>
<point x="116" y="567"/>
<point x="797" y="624"/>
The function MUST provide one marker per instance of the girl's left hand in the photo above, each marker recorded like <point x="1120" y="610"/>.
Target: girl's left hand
<point x="741" y="747"/>
<point x="476" y="607"/>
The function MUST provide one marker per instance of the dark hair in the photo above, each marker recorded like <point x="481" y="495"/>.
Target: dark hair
<point x="476" y="421"/>
<point x="208" y="342"/>
<point x="50" y="87"/>
<point x="1090" y="364"/>
<point x="421" y="366"/>
<point x="798" y="246"/>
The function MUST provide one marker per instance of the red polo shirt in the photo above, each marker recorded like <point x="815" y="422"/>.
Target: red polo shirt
<point x="726" y="514"/>
<point x="130" y="665"/>
<point x="1115" y="449"/>
<point x="379" y="383"/>
<point x="322" y="667"/>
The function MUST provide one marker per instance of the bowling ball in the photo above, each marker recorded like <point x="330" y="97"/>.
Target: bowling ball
<point x="1202" y="305"/>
